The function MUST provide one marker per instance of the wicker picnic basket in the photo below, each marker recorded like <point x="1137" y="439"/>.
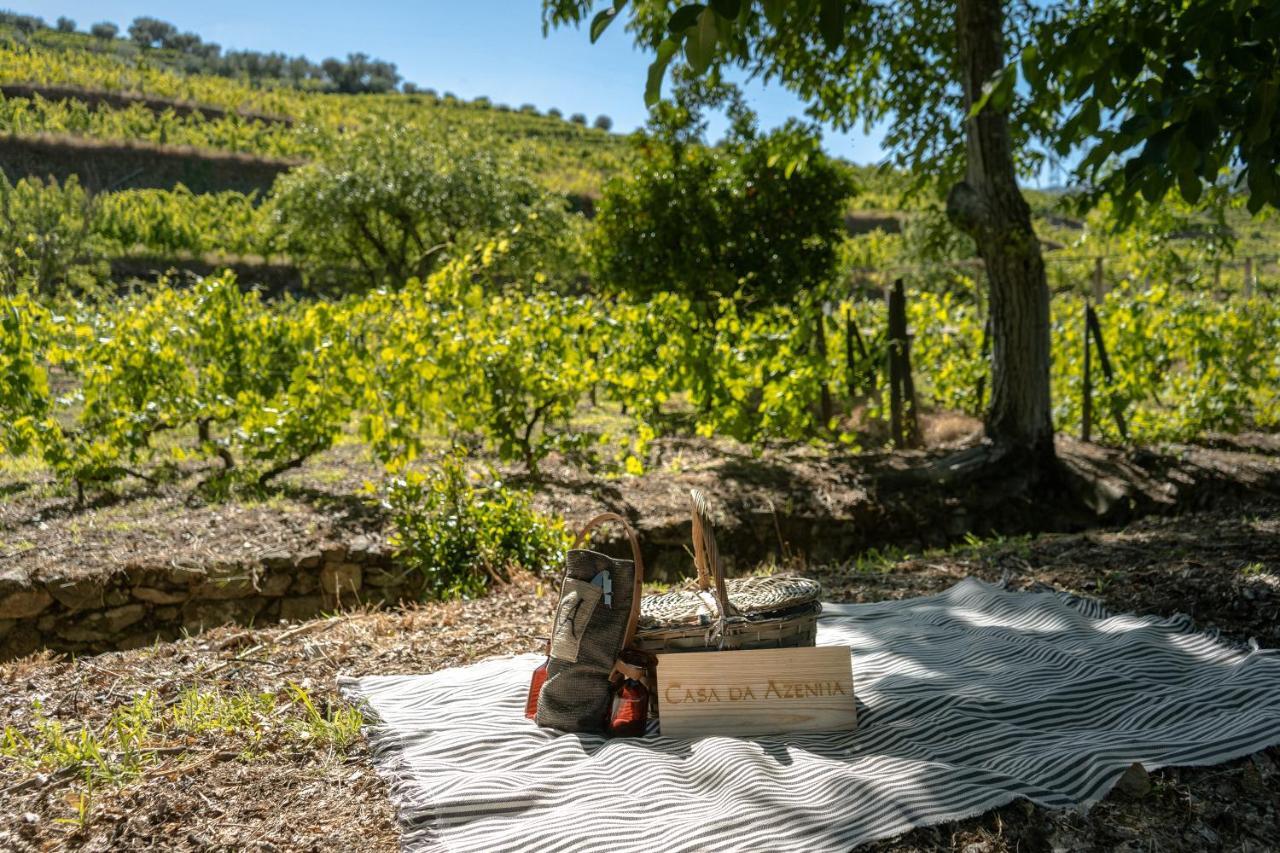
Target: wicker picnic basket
<point x="710" y="613"/>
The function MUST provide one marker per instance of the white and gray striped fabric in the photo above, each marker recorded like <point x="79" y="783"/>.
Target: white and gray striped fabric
<point x="968" y="700"/>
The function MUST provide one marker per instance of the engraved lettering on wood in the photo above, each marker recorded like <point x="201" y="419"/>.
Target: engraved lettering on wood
<point x="756" y="692"/>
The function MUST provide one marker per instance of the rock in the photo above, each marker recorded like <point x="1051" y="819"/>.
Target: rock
<point x="274" y="585"/>
<point x="73" y="632"/>
<point x="199" y="615"/>
<point x="115" y="597"/>
<point x="6" y="625"/>
<point x="278" y="560"/>
<point x="24" y="603"/>
<point x="226" y="582"/>
<point x="1135" y="782"/>
<point x="359" y="549"/>
<point x="159" y="596"/>
<point x="310" y="561"/>
<point x="21" y="641"/>
<point x="341" y="579"/>
<point x="379" y="577"/>
<point x="333" y="553"/>
<point x="166" y="614"/>
<point x="144" y="639"/>
<point x="302" y="607"/>
<point x="102" y="626"/>
<point x="305" y="583"/>
<point x="84" y="594"/>
<point x="168" y="577"/>
<point x="119" y="618"/>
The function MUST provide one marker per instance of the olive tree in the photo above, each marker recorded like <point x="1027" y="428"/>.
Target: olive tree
<point x="392" y="205"/>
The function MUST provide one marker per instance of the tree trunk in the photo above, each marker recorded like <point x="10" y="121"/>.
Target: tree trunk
<point x="989" y="207"/>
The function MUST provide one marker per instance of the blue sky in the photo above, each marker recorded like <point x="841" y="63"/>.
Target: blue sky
<point x="478" y="47"/>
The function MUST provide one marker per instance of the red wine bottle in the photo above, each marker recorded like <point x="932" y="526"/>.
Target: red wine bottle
<point x="630" y="710"/>
<point x="535" y="687"/>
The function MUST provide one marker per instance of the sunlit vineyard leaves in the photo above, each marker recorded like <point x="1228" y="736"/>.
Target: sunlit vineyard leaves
<point x="247" y="389"/>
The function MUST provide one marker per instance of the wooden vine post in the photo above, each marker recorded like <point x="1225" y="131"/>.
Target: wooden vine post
<point x="1248" y="278"/>
<point x="1099" y="287"/>
<point x="902" y="393"/>
<point x="1093" y="339"/>
<point x="1086" y="402"/>
<point x="824" y="386"/>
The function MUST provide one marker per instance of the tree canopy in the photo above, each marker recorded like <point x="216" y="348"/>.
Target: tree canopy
<point x="1147" y="96"/>
<point x="711" y="222"/>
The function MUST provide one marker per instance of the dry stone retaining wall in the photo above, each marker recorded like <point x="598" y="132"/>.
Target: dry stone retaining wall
<point x="141" y="604"/>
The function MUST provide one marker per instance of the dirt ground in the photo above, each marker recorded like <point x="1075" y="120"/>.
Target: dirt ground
<point x="782" y="500"/>
<point x="219" y="791"/>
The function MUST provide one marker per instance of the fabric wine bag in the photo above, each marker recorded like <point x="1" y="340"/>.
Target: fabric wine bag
<point x="594" y="621"/>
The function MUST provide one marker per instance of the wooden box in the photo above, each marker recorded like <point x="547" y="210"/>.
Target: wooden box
<point x="756" y="692"/>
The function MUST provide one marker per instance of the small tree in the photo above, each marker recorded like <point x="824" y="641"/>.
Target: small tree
<point x="151" y="32"/>
<point x="104" y="30"/>
<point x="393" y="205"/>
<point x="718" y="222"/>
<point x="360" y="74"/>
<point x="578" y="118"/>
<point x="603" y="123"/>
<point x="66" y="25"/>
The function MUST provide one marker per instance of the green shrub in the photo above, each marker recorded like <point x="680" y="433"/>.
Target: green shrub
<point x="46" y="239"/>
<point x="462" y="532"/>
<point x="392" y="205"/>
<point x="714" y="222"/>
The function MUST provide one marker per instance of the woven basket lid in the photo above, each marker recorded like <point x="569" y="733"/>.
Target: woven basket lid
<point x="753" y="596"/>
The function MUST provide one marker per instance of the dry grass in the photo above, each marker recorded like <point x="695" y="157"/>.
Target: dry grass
<point x="248" y="766"/>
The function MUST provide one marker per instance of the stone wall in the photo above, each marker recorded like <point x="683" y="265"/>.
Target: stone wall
<point x="141" y="604"/>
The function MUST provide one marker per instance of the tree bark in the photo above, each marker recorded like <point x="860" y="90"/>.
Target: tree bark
<point x="989" y="206"/>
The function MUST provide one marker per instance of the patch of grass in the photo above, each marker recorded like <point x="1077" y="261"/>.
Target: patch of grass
<point x="1253" y="570"/>
<point x="137" y="733"/>
<point x="880" y="560"/>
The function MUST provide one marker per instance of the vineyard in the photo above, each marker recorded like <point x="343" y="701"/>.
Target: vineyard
<point x="508" y="344"/>
<point x="308" y="370"/>
<point x="214" y="379"/>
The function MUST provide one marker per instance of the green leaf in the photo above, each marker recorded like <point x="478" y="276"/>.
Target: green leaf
<point x="1031" y="69"/>
<point x="658" y="70"/>
<point x="729" y="9"/>
<point x="700" y="44"/>
<point x="774" y="11"/>
<point x="601" y="22"/>
<point x="831" y="23"/>
<point x="1190" y="187"/>
<point x="684" y="17"/>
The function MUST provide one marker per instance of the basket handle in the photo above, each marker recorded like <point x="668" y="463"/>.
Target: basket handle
<point x="706" y="555"/>
<point x="638" y="588"/>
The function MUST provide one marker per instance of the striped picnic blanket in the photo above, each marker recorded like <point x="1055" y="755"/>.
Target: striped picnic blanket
<point x="968" y="700"/>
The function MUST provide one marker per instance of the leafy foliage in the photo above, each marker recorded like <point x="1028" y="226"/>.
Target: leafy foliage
<point x="715" y="222"/>
<point x="393" y="205"/>
<point x="454" y="354"/>
<point x="464" y="532"/>
<point x="1164" y="96"/>
<point x="46" y="237"/>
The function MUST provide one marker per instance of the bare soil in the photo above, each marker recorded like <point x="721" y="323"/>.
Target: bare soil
<point x="780" y="504"/>
<point x="1222" y="564"/>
